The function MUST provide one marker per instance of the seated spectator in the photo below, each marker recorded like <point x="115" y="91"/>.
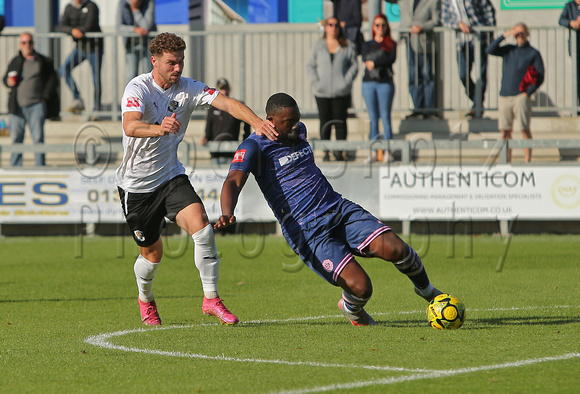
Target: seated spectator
<point x="221" y="126"/>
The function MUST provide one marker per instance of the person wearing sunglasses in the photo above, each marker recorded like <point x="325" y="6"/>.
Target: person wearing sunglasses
<point x="523" y="73"/>
<point x="378" y="89"/>
<point x="33" y="96"/>
<point x="332" y="68"/>
<point x="349" y="13"/>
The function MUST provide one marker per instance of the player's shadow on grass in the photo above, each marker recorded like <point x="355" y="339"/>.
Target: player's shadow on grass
<point x="478" y="324"/>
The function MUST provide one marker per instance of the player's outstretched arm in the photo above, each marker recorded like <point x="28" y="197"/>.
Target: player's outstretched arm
<point x="135" y="127"/>
<point x="241" y="111"/>
<point x="231" y="190"/>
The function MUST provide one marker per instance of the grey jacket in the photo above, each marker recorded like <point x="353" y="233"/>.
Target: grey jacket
<point x="427" y="14"/>
<point x="332" y="79"/>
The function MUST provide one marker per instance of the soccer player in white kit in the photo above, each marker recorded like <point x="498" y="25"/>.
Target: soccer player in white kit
<point x="151" y="180"/>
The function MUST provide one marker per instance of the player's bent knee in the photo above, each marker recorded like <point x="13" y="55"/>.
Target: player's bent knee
<point x="355" y="280"/>
<point x="388" y="246"/>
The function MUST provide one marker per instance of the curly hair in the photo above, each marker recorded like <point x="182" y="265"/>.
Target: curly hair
<point x="166" y="42"/>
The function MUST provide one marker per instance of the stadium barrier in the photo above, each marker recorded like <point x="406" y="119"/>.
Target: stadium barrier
<point x="489" y="152"/>
<point x="261" y="60"/>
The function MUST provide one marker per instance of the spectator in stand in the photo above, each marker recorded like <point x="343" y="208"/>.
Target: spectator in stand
<point x="419" y="17"/>
<point x="81" y="17"/>
<point x="33" y="96"/>
<point x="221" y="126"/>
<point x="462" y="15"/>
<point x="570" y="18"/>
<point x="136" y="16"/>
<point x="349" y="12"/>
<point x="332" y="68"/>
<point x="523" y="73"/>
<point x="378" y="88"/>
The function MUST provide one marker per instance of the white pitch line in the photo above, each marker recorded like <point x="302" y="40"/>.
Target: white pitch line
<point x="102" y="341"/>
<point x="431" y="375"/>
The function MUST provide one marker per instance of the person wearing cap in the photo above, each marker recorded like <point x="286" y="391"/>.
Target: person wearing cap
<point x="221" y="126"/>
<point x="523" y="73"/>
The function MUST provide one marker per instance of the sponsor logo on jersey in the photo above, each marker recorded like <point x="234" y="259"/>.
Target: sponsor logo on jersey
<point x="328" y="265"/>
<point x="239" y="156"/>
<point x="173" y="105"/>
<point x="133" y="102"/>
<point x="209" y="90"/>
<point x="139" y="235"/>
<point x="295" y="156"/>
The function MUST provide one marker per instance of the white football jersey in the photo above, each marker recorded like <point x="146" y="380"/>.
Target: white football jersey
<point x="148" y="162"/>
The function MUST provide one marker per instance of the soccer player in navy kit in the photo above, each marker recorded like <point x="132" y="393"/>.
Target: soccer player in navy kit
<point x="324" y="229"/>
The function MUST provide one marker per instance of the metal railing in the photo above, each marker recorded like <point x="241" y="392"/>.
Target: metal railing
<point x="260" y="61"/>
<point x="103" y="154"/>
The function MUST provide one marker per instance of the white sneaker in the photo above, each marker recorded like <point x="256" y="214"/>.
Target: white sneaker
<point x="371" y="158"/>
<point x="387" y="157"/>
<point x="77" y="107"/>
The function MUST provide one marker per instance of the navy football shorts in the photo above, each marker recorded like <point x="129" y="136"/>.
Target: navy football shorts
<point x="146" y="212"/>
<point x="328" y="244"/>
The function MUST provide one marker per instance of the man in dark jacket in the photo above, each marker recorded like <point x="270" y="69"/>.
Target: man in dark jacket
<point x="33" y="84"/>
<point x="81" y="17"/>
<point x="523" y="73"/>
<point x="221" y="126"/>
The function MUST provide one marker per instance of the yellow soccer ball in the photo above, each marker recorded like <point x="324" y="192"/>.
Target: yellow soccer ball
<point x="446" y="312"/>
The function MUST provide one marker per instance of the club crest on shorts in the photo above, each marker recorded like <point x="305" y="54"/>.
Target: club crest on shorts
<point x="139" y="235"/>
<point x="173" y="105"/>
<point x="328" y="265"/>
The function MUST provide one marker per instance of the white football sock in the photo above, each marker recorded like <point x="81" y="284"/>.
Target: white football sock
<point x="426" y="291"/>
<point x="354" y="303"/>
<point x="206" y="260"/>
<point x="144" y="273"/>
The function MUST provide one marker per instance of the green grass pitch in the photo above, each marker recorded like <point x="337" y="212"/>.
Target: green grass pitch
<point x="69" y="320"/>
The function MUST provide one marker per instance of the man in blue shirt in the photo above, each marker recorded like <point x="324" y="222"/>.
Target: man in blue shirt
<point x="326" y="230"/>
